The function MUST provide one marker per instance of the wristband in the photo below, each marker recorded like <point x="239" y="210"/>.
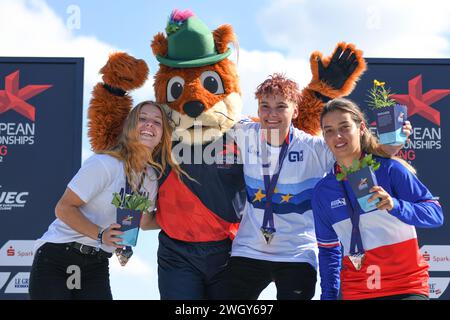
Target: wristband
<point x="100" y="237"/>
<point x="321" y="97"/>
<point x="113" y="90"/>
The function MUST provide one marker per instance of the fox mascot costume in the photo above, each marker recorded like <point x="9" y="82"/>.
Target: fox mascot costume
<point x="199" y="88"/>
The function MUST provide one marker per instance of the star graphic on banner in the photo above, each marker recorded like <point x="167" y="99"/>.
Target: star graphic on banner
<point x="419" y="102"/>
<point x="286" y="198"/>
<point x="14" y="98"/>
<point x="259" y="195"/>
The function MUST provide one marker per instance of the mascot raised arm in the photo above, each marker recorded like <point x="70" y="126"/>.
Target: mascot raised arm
<point x="199" y="88"/>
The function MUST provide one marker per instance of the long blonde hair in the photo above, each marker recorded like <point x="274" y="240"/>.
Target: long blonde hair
<point x="369" y="143"/>
<point x="135" y="155"/>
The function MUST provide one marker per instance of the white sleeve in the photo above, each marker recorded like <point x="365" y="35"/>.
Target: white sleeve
<point x="92" y="178"/>
<point x="324" y="154"/>
<point x="243" y="130"/>
<point x="151" y="186"/>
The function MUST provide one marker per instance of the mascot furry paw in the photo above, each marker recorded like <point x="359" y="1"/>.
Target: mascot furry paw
<point x="110" y="104"/>
<point x="199" y="88"/>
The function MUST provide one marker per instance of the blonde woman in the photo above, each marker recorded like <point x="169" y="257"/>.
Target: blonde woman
<point x="84" y="233"/>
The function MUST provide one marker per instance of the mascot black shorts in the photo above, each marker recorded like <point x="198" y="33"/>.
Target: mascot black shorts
<point x="192" y="270"/>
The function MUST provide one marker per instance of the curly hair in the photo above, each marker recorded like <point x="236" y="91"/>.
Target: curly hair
<point x="278" y="83"/>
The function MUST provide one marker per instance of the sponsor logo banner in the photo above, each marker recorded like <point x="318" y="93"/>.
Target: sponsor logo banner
<point x="438" y="287"/>
<point x="40" y="151"/>
<point x="437" y="257"/>
<point x="17" y="253"/>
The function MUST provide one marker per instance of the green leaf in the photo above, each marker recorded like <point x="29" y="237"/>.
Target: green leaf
<point x="376" y="166"/>
<point x="134" y="202"/>
<point x="116" y="200"/>
<point x="340" y="176"/>
<point x="355" y="165"/>
<point x="364" y="162"/>
<point x="127" y="201"/>
<point x="345" y="170"/>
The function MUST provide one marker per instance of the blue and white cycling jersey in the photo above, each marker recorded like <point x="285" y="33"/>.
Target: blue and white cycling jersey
<point x="306" y="162"/>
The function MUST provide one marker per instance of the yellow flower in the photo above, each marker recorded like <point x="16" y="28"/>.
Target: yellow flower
<point x="378" y="83"/>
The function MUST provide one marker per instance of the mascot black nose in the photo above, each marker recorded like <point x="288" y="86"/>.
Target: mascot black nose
<point x="193" y="108"/>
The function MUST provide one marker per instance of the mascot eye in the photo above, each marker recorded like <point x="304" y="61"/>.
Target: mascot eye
<point x="212" y="82"/>
<point x="174" y="88"/>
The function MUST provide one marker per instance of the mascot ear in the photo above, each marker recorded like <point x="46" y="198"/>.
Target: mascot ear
<point x="223" y="35"/>
<point x="159" y="45"/>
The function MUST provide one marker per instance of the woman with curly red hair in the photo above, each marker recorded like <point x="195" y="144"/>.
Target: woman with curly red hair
<point x="282" y="164"/>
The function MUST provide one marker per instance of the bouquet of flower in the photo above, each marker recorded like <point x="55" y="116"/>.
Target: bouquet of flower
<point x="133" y="201"/>
<point x="379" y="96"/>
<point x="129" y="212"/>
<point x="389" y="114"/>
<point x="361" y="178"/>
<point x="357" y="165"/>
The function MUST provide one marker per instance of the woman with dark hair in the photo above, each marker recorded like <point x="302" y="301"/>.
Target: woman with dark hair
<point x="378" y="249"/>
<point x="84" y="235"/>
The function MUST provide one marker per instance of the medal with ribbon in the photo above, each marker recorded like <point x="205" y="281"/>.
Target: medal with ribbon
<point x="357" y="252"/>
<point x="268" y="227"/>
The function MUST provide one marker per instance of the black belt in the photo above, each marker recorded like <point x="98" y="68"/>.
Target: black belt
<point x="87" y="250"/>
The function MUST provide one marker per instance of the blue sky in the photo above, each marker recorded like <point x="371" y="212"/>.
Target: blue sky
<point x="274" y="36"/>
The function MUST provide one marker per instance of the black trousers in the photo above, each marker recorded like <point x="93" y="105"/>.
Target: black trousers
<point x="192" y="271"/>
<point x="249" y="277"/>
<point x="60" y="273"/>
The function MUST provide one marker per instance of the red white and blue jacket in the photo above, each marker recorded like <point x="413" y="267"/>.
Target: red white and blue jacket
<point x="393" y="263"/>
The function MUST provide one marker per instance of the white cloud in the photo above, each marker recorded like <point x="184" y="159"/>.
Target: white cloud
<point x="382" y="28"/>
<point x="255" y="66"/>
<point x="32" y="28"/>
<point x="146" y="92"/>
<point x="136" y="280"/>
<point x="136" y="267"/>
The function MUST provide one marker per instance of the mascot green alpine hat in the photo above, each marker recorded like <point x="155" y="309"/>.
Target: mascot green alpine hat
<point x="190" y="42"/>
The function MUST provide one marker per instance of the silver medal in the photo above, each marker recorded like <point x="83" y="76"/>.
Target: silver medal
<point x="357" y="260"/>
<point x="268" y="235"/>
<point x="124" y="255"/>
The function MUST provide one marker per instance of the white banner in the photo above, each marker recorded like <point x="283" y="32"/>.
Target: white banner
<point x="438" y="287"/>
<point x="17" y="253"/>
<point x="18" y="284"/>
<point x="438" y="257"/>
